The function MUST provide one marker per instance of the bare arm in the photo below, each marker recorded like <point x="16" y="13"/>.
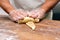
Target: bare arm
<point x="5" y="4"/>
<point x="14" y="14"/>
<point x="46" y="7"/>
<point x="49" y="4"/>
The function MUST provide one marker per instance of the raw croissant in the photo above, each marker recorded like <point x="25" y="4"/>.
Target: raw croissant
<point x="29" y="21"/>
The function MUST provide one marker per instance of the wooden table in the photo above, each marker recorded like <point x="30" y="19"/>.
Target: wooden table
<point x="45" y="30"/>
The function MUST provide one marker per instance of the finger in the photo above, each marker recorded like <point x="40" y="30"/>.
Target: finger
<point x="13" y="19"/>
<point x="22" y="12"/>
<point x="21" y="17"/>
<point x="40" y="16"/>
<point x="18" y="15"/>
<point x="33" y="15"/>
<point x="28" y="14"/>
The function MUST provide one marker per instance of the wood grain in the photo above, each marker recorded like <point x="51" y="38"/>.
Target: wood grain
<point x="45" y="30"/>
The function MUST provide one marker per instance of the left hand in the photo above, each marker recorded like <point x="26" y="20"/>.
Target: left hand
<point x="38" y="13"/>
<point x="17" y="14"/>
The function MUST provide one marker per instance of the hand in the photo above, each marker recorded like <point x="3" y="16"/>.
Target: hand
<point x="16" y="15"/>
<point x="38" y="13"/>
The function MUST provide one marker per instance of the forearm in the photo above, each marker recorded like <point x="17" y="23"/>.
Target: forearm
<point x="6" y="5"/>
<point x="49" y="4"/>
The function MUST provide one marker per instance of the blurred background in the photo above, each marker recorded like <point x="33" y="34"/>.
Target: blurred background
<point x="56" y="11"/>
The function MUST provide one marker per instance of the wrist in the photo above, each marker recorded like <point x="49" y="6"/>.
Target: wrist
<point x="41" y="10"/>
<point x="7" y="7"/>
<point x="15" y="10"/>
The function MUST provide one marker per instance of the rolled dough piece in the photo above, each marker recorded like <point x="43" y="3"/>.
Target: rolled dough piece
<point x="31" y="25"/>
<point x="29" y="21"/>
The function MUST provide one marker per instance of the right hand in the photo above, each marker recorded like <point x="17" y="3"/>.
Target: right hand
<point x="37" y="13"/>
<point x="16" y="15"/>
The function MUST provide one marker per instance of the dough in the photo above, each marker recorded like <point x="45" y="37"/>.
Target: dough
<point x="29" y="21"/>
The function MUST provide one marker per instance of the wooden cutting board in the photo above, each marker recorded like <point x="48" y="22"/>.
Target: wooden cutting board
<point x="45" y="30"/>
